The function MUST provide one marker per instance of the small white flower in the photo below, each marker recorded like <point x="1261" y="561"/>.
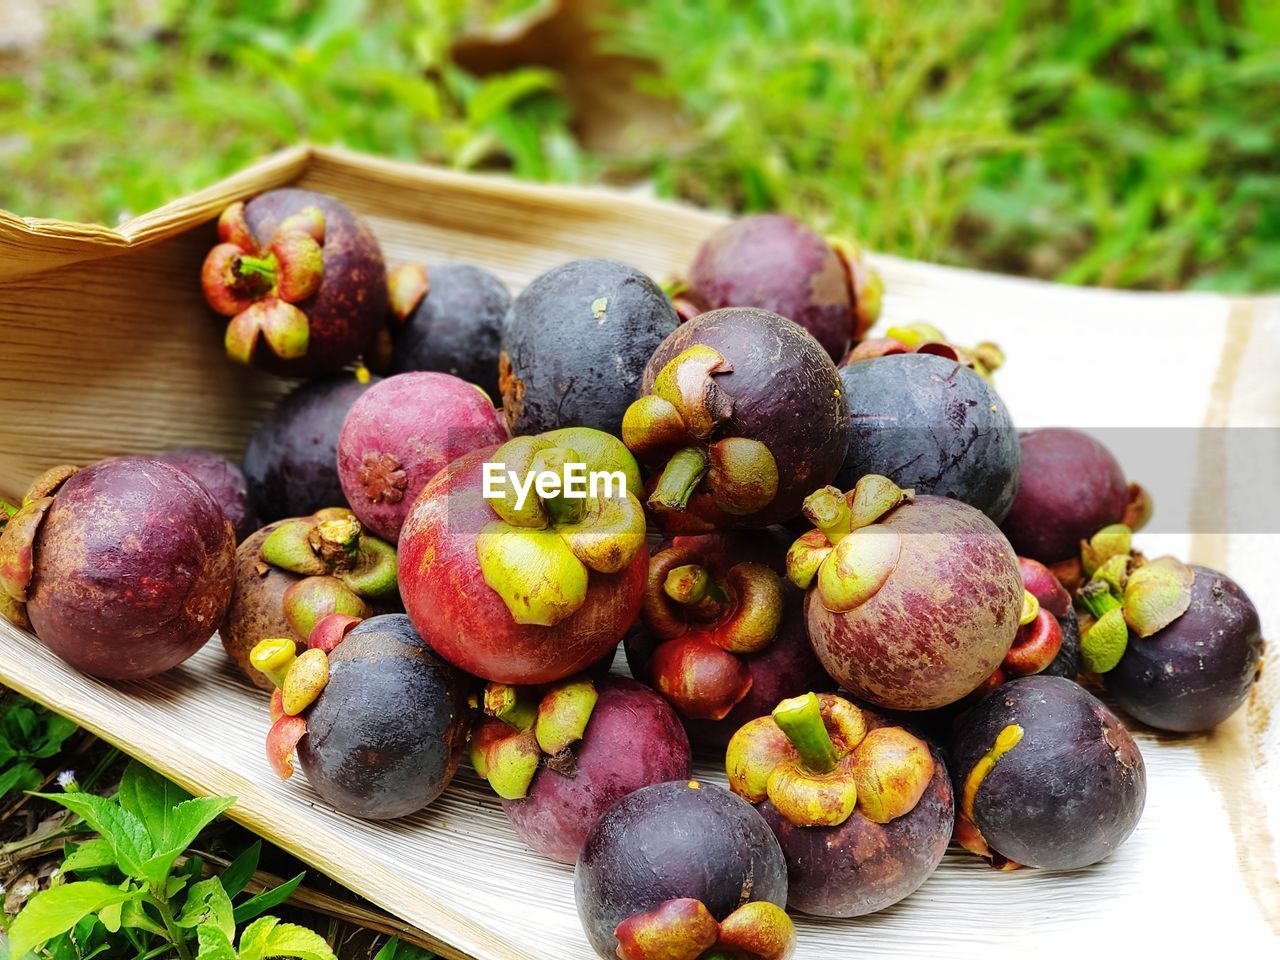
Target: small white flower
<point x="66" y="779"/>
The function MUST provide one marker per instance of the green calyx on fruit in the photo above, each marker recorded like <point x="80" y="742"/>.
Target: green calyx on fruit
<point x="865" y="283"/>
<point x="299" y="679"/>
<point x="816" y="761"/>
<point x="983" y="359"/>
<point x="407" y="285"/>
<point x="540" y="552"/>
<point x="675" y="422"/>
<point x="341" y="567"/>
<point x="525" y="728"/>
<point x="19" y="527"/>
<point x="1126" y="594"/>
<point x="848" y="555"/>
<point x="259" y="287"/>
<point x="684" y="929"/>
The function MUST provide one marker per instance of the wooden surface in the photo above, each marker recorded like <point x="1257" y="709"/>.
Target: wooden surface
<point x="108" y="349"/>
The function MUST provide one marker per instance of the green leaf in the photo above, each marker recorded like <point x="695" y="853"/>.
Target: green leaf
<point x="214" y="944"/>
<point x="268" y="899"/>
<point x="268" y="937"/>
<point x="90" y="855"/>
<point x="119" y="827"/>
<point x="241" y="870"/>
<point x="208" y="903"/>
<point x="182" y="825"/>
<point x="57" y="910"/>
<point x="109" y="917"/>
<point x="397" y="949"/>
<point x="20" y="776"/>
<point x="134" y="916"/>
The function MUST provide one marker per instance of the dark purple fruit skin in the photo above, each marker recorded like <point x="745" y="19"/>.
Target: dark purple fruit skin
<point x="633" y="740"/>
<point x="932" y="425"/>
<point x="291" y="462"/>
<point x="1197" y="671"/>
<point x="132" y="569"/>
<point x="670" y="841"/>
<point x="780" y="265"/>
<point x="785" y="668"/>
<point x="562" y="365"/>
<point x="860" y="867"/>
<point x="457" y="326"/>
<point x="350" y="308"/>
<point x="224" y="481"/>
<point x="1065" y="796"/>
<point x="385" y="735"/>
<point x="786" y="393"/>
<point x="1067" y="662"/>
<point x="1070" y="487"/>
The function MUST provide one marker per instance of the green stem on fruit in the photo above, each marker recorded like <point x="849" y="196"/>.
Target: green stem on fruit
<point x="1097" y="598"/>
<point x="828" y="510"/>
<point x="265" y="267"/>
<point x="800" y="718"/>
<point x="680" y="477"/>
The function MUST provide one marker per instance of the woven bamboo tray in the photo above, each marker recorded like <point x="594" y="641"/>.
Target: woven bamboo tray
<point x="108" y="348"/>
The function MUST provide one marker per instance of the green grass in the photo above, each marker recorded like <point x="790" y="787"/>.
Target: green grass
<point x="1131" y="143"/>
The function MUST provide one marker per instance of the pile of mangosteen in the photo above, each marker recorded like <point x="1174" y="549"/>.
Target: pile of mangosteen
<point x="835" y="567"/>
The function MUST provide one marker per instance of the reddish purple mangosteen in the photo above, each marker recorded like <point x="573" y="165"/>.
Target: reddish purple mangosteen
<point x="1070" y="487"/>
<point x="292" y="574"/>
<point x="723" y="636"/>
<point x="862" y="808"/>
<point x="1045" y="776"/>
<point x="123" y="568"/>
<point x="741" y="414"/>
<point x="302" y="280"/>
<point x="402" y="432"/>
<point x="559" y="757"/>
<point x="778" y="264"/>
<point x="683" y="869"/>
<point x="291" y="460"/>
<point x="224" y="481"/>
<point x="377" y="720"/>
<point x="913" y="602"/>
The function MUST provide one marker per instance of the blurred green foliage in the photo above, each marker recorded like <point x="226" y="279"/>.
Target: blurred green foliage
<point x="1128" y="143"/>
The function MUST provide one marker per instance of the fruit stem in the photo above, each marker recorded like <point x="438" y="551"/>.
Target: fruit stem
<point x="800" y="718"/>
<point x="249" y="265"/>
<point x="828" y="510"/>
<point x="680" y="477"/>
<point x="1097" y="598"/>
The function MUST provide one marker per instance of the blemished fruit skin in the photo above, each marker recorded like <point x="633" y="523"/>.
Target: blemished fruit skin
<point x="941" y="623"/>
<point x="673" y="840"/>
<point x="633" y="740"/>
<point x="467" y="622"/>
<point x="224" y="481"/>
<point x="349" y="310"/>
<point x="933" y="425"/>
<point x="291" y="461"/>
<point x="1199" y="669"/>
<point x="777" y="264"/>
<point x="386" y="733"/>
<point x="575" y="345"/>
<point x="457" y="326"/>
<point x="860" y="867"/>
<point x="1069" y="792"/>
<point x="133" y="569"/>
<point x="401" y="433"/>
<point x="1070" y="487"/>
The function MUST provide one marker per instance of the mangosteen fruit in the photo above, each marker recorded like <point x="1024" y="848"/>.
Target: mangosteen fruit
<point x="742" y="413"/>
<point x="930" y="424"/>
<point x="302" y="280"/>
<point x="123" y="568"/>
<point x="683" y="869"/>
<point x="449" y="319"/>
<point x="722" y="634"/>
<point x="1044" y="776"/>
<point x="400" y="433"/>
<point x="376" y="719"/>
<point x="291" y="461"/>
<point x="861" y="807"/>
<point x="1069" y="487"/>
<point x="913" y="601"/>
<point x="560" y="756"/>
<point x="291" y="574"/>
<point x="575" y="345"/>
<point x="224" y="481"/>
<point x="527" y="588"/>
<point x="776" y="263"/>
